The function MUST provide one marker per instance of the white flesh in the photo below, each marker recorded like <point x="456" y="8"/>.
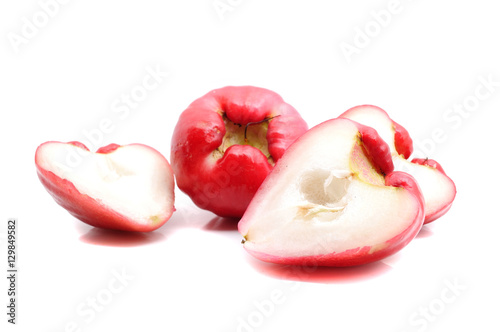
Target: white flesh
<point x="134" y="180"/>
<point x="438" y="190"/>
<point x="313" y="204"/>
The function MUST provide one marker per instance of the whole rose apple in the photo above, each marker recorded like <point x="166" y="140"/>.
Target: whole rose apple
<point x="226" y="143"/>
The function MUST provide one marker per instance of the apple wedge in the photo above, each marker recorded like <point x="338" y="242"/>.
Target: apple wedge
<point x="128" y="187"/>
<point x="333" y="200"/>
<point x="438" y="189"/>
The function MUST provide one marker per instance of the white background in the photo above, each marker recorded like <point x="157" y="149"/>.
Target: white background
<point x="192" y="274"/>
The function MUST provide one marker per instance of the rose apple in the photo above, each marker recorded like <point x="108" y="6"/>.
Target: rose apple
<point x="226" y="142"/>
<point x="128" y="187"/>
<point x="438" y="189"/>
<point x="333" y="200"/>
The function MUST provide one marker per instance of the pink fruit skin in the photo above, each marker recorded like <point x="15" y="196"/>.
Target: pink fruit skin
<point x="378" y="151"/>
<point x="226" y="186"/>
<point x="376" y="148"/>
<point x="402" y="140"/>
<point x="85" y="208"/>
<point x="434" y="164"/>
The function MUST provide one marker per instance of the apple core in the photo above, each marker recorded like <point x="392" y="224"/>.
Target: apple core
<point x="252" y="134"/>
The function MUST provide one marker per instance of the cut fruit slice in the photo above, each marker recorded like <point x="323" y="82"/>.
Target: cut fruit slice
<point x="333" y="200"/>
<point x="438" y="189"/>
<point x="127" y="187"/>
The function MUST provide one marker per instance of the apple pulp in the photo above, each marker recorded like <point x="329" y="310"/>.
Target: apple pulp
<point x="128" y="188"/>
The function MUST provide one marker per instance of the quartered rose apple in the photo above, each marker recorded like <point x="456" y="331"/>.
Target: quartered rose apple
<point x="128" y="187"/>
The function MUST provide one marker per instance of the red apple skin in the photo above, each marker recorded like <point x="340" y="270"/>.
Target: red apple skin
<point x="84" y="207"/>
<point x="376" y="148"/>
<point x="402" y="140"/>
<point x="434" y="164"/>
<point x="108" y="148"/>
<point x="226" y="185"/>
<point x="379" y="152"/>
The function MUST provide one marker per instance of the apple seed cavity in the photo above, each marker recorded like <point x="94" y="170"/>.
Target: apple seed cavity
<point x="252" y="134"/>
<point x="326" y="193"/>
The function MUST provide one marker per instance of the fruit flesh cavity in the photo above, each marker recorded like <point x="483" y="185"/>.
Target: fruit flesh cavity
<point x="130" y="180"/>
<point x="295" y="218"/>
<point x="357" y="225"/>
<point x="253" y="135"/>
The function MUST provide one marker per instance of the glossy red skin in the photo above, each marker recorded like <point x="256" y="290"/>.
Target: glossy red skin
<point x="402" y="139"/>
<point x="361" y="255"/>
<point x="226" y="186"/>
<point x="434" y="164"/>
<point x="84" y="207"/>
<point x="376" y="149"/>
<point x="108" y="148"/>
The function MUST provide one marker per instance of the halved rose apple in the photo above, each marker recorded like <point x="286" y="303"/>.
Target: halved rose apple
<point x="333" y="200"/>
<point x="128" y="187"/>
<point x="438" y="189"/>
